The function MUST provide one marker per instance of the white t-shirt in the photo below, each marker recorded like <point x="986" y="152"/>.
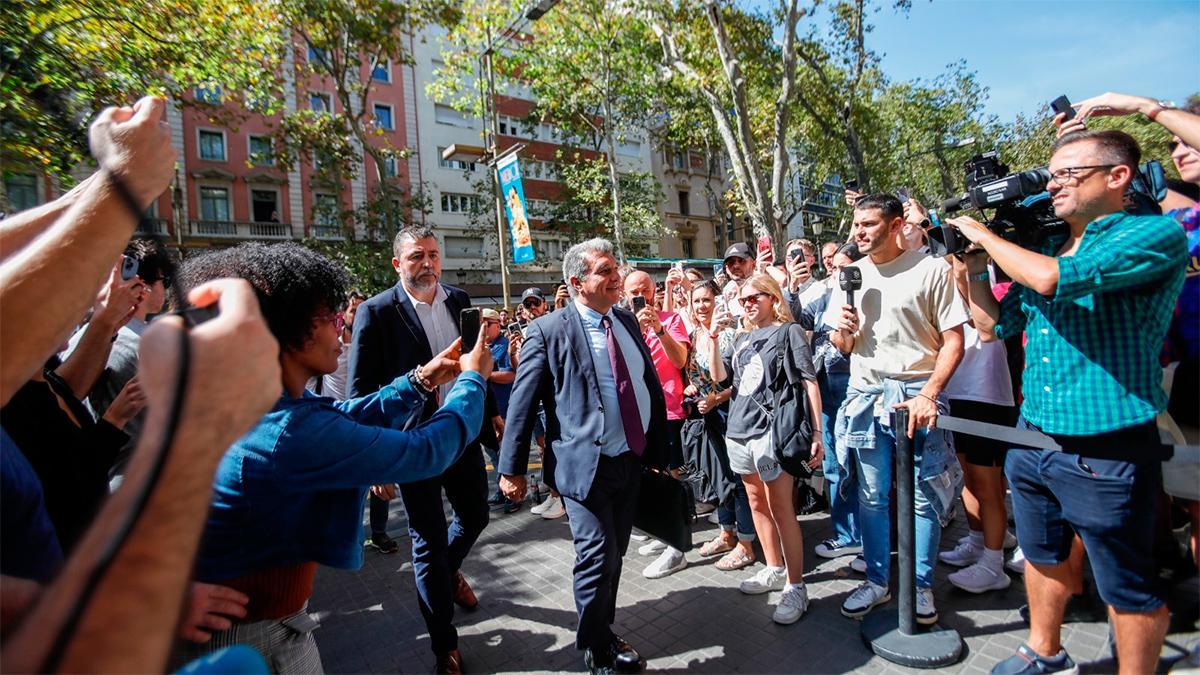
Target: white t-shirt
<point x="903" y="305"/>
<point x="982" y="375"/>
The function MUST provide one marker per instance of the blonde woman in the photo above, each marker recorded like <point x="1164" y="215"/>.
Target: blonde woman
<point x="767" y="327"/>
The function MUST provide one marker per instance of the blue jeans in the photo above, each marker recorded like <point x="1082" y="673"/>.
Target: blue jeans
<point x="843" y="507"/>
<point x="875" y="468"/>
<point x="736" y="510"/>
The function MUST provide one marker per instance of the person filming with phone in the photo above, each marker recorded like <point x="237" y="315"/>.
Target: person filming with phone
<point x="1095" y="304"/>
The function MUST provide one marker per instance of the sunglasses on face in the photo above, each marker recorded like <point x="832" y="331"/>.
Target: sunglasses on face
<point x="531" y="303"/>
<point x="747" y="300"/>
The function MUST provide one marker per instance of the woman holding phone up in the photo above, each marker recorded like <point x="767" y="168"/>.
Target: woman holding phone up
<point x="768" y="332"/>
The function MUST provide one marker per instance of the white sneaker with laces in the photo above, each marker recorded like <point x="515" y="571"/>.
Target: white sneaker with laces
<point x="859" y="564"/>
<point x="765" y="580"/>
<point x="556" y="509"/>
<point x="671" y="561"/>
<point x="1017" y="562"/>
<point x="833" y="548"/>
<point x="866" y="597"/>
<point x="979" y="578"/>
<point x="792" y="605"/>
<point x="926" y="611"/>
<point x="541" y="508"/>
<point x="651" y="547"/>
<point x="962" y="555"/>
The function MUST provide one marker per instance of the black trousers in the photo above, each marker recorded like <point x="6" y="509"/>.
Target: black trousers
<point x="600" y="526"/>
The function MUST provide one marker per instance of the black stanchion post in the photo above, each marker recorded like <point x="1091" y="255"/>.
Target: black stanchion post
<point x="896" y="637"/>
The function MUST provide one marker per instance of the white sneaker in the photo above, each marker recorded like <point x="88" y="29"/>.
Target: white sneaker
<point x="1017" y="562"/>
<point x="833" y="548"/>
<point x="541" y="508"/>
<point x="979" y="578"/>
<point x="765" y="580"/>
<point x="926" y="612"/>
<point x="556" y="509"/>
<point x="638" y="536"/>
<point x="671" y="561"/>
<point x="962" y="555"/>
<point x="712" y="518"/>
<point x="1010" y="540"/>
<point x="651" y="547"/>
<point x="792" y="605"/>
<point x="859" y="564"/>
<point x="864" y="598"/>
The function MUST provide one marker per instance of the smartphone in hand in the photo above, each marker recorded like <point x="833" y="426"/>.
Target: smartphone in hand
<point x="902" y="195"/>
<point x="1062" y="104"/>
<point x="468" y="328"/>
<point x="638" y="303"/>
<point x="765" y="250"/>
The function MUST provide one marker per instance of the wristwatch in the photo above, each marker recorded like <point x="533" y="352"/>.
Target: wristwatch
<point x="660" y="333"/>
<point x="1159" y="106"/>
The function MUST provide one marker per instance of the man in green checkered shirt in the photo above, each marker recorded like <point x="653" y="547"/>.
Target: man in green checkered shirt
<point x="1095" y="307"/>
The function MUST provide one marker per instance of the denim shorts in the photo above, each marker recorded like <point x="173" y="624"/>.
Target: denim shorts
<point x="1109" y="502"/>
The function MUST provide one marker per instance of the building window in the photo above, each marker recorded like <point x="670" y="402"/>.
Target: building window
<point x="540" y="169"/>
<point x="320" y="102"/>
<point x="212" y="145"/>
<point x="262" y="152"/>
<point x="458" y="164"/>
<point x="325" y="210"/>
<point x="383" y="117"/>
<point x="214" y="203"/>
<point x="382" y="72"/>
<point x="511" y="126"/>
<point x="679" y="160"/>
<point x="629" y="148"/>
<point x="444" y="114"/>
<point x="21" y="189"/>
<point x="264" y="206"/>
<point x="687" y="246"/>
<point x="317" y="56"/>
<point x="684" y="207"/>
<point x="462" y="247"/>
<point x="209" y="93"/>
<point x="458" y="203"/>
<point x="388" y="167"/>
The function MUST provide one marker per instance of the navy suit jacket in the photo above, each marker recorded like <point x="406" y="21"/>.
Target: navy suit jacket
<point x="556" y="370"/>
<point x="388" y="341"/>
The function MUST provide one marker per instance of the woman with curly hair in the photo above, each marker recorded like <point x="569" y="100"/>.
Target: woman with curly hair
<point x="289" y="494"/>
<point x="769" y="337"/>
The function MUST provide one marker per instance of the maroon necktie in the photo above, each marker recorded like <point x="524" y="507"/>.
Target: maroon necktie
<point x="631" y="418"/>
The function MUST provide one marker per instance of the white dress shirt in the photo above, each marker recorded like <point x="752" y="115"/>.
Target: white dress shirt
<point x="440" y="328"/>
<point x="615" y="442"/>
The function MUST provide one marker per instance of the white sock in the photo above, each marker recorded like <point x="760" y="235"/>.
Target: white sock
<point x="992" y="559"/>
<point x="790" y="586"/>
<point x="777" y="569"/>
<point x="976" y="538"/>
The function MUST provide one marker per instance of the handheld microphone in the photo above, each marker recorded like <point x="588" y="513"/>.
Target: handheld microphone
<point x="850" y="279"/>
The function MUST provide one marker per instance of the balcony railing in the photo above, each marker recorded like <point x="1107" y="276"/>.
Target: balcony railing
<point x="156" y="226"/>
<point x="233" y="229"/>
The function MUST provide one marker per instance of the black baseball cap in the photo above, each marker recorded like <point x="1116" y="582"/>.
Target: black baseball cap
<point x="533" y="292"/>
<point x="738" y="250"/>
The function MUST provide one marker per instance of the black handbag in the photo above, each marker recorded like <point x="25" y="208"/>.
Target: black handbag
<point x="791" y="430"/>
<point x="665" y="509"/>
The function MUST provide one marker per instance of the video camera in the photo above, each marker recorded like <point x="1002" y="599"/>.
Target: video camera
<point x="1024" y="213"/>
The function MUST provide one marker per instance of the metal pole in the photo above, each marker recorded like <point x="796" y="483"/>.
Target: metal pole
<point x="492" y="130"/>
<point x="905" y="523"/>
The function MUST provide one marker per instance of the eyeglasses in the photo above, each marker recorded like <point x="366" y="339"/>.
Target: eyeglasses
<point x="338" y="320"/>
<point x="1064" y="176"/>
<point x="747" y="300"/>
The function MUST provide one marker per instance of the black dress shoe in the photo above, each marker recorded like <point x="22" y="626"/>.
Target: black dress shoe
<point x="619" y="657"/>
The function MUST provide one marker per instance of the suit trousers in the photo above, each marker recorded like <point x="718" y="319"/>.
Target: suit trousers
<point x="438" y="550"/>
<point x="600" y="526"/>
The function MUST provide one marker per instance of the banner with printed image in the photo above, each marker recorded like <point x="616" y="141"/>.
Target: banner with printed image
<point x="509" y="172"/>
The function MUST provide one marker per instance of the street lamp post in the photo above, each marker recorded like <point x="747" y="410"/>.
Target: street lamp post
<point x="491" y="126"/>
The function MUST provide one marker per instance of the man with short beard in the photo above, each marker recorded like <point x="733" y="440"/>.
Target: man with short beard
<point x="394" y="332"/>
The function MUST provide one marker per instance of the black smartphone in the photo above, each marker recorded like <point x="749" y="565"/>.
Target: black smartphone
<point x="1063" y="105"/>
<point x="129" y="267"/>
<point x="468" y="328"/>
<point x="638" y="303"/>
<point x="852" y="185"/>
<point x="902" y="195"/>
<point x="795" y="253"/>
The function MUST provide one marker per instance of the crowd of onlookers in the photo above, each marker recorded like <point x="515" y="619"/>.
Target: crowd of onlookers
<point x="171" y="484"/>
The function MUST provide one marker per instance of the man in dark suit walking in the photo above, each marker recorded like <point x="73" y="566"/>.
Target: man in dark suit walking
<point x="605" y="417"/>
<point x="395" y="332"/>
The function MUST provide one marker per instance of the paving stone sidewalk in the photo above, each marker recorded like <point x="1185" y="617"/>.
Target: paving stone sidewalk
<point x="695" y="620"/>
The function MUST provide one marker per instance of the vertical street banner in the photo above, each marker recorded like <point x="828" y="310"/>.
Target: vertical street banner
<point x="514" y="206"/>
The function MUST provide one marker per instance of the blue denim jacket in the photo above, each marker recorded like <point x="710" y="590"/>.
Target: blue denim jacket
<point x="940" y="476"/>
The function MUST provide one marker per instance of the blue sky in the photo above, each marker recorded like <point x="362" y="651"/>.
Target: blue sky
<point x="1027" y="52"/>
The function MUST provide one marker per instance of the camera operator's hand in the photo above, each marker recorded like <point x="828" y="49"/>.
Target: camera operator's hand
<point x="848" y="322"/>
<point x="443" y="367"/>
<point x="970" y="228"/>
<point x="922" y="413"/>
<point x="478" y="359"/>
<point x="134" y="143"/>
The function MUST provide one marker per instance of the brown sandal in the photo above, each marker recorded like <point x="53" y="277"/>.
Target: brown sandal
<point x="717" y="546"/>
<point x="734" y="560"/>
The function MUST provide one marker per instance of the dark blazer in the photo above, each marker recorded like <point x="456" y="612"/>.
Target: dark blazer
<point x="388" y="340"/>
<point x="556" y="370"/>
